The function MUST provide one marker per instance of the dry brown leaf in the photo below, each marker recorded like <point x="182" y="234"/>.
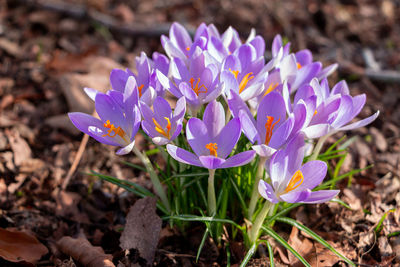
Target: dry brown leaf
<point x="142" y="229"/>
<point x="19" y="146"/>
<point x="303" y="246"/>
<point x="81" y="250"/>
<point x="16" y="246"/>
<point x="11" y="48"/>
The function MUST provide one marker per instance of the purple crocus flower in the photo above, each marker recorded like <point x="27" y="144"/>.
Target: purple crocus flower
<point x="291" y="181"/>
<point x="212" y="141"/>
<point x="179" y="44"/>
<point x="327" y="111"/>
<point x="197" y="81"/>
<point x="119" y="118"/>
<point x="162" y="125"/>
<point x="242" y="72"/>
<point x="271" y="130"/>
<point x="147" y="93"/>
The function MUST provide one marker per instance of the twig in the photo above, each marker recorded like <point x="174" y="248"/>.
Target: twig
<point x="77" y="159"/>
<point x="389" y="76"/>
<point x="83" y="12"/>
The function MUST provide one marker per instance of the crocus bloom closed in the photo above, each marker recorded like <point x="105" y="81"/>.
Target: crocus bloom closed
<point x="119" y="118"/>
<point x="293" y="182"/>
<point x="162" y="125"/>
<point x="212" y="141"/>
<point x="271" y="130"/>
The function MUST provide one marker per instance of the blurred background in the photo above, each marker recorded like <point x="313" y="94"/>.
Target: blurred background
<point x="51" y="49"/>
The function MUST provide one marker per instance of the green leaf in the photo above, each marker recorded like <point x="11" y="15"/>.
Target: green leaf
<point x="283" y="242"/>
<point x="194" y="218"/>
<point x="379" y="226"/>
<point x="203" y="240"/>
<point x="249" y="254"/>
<point x="341" y="202"/>
<point x="315" y="237"/>
<point x="270" y="252"/>
<point x="283" y="212"/>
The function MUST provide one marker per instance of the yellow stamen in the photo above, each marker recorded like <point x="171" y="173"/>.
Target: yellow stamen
<point x="271" y="88"/>
<point x="235" y="72"/>
<point x="140" y="88"/>
<point x="244" y="81"/>
<point x="117" y="131"/>
<point x="296" y="181"/>
<point x="269" y="126"/>
<point x="315" y="113"/>
<point x="196" y="87"/>
<point x="213" y="149"/>
<point x="299" y="65"/>
<point x="161" y="130"/>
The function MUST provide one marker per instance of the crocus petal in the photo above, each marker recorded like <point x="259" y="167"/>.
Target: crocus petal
<point x="316" y="131"/>
<point x="197" y="136"/>
<point x="228" y="137"/>
<point x="159" y="140"/>
<point x="161" y="108"/>
<point x="125" y="150"/>
<point x="305" y="74"/>
<point x="263" y="150"/>
<point x="295" y="197"/>
<point x="109" y="110"/>
<point x="191" y="97"/>
<point x="340" y="88"/>
<point x="248" y="126"/>
<point x="90" y="92"/>
<point x="278" y="168"/>
<point x="281" y="135"/>
<point x="180" y="109"/>
<point x="259" y="44"/>
<point x="314" y="173"/>
<point x="320" y="196"/>
<point x="239" y="159"/>
<point x="345" y="111"/>
<point x="180" y="36"/>
<point x="304" y="57"/>
<point x="267" y="192"/>
<point x="214" y="118"/>
<point x="211" y="162"/>
<point x="167" y="84"/>
<point x="360" y="123"/>
<point x="183" y="156"/>
<point x="118" y="79"/>
<point x="84" y="121"/>
<point x="325" y="72"/>
<point x="295" y="152"/>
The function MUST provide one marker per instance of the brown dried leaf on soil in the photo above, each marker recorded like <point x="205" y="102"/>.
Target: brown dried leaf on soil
<point x="16" y="246"/>
<point x="142" y="229"/>
<point x="81" y="250"/>
<point x="19" y="146"/>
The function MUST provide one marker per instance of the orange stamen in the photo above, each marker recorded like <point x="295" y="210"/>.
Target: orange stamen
<point x="213" y="149"/>
<point x="235" y="72"/>
<point x="271" y="88"/>
<point x="196" y="87"/>
<point x="244" y="81"/>
<point x="296" y="181"/>
<point x="117" y="131"/>
<point x="269" y="126"/>
<point x="140" y="90"/>
<point x="161" y="130"/>
<point x="315" y="113"/>
<point x="188" y="48"/>
<point x="299" y="65"/>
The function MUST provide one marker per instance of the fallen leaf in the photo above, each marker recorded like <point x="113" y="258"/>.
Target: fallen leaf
<point x="303" y="246"/>
<point x="17" y="246"/>
<point x="142" y="229"/>
<point x="19" y="146"/>
<point x="81" y="250"/>
<point x="11" y="48"/>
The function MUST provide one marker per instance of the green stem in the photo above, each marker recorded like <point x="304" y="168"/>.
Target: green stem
<point x="153" y="177"/>
<point x="319" y="146"/>
<point x="212" y="203"/>
<point x="255" y="229"/>
<point x="228" y="116"/>
<point x="254" y="193"/>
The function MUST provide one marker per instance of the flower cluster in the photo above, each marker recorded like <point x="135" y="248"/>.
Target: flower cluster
<point x="276" y="104"/>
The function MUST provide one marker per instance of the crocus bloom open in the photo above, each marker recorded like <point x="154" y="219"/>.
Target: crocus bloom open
<point x="197" y="81"/>
<point x="291" y="181"/>
<point x="242" y="72"/>
<point x="271" y="130"/>
<point x="212" y="141"/>
<point x="119" y="118"/>
<point x="162" y="125"/>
